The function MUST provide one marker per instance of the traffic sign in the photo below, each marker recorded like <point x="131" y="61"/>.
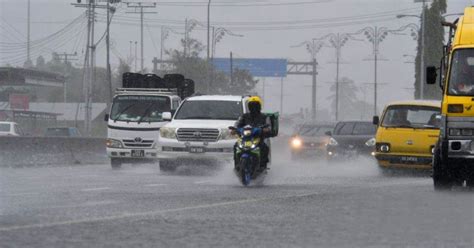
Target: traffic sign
<point x="256" y="67"/>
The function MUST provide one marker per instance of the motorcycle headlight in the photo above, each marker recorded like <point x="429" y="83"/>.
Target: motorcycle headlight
<point x="247" y="132"/>
<point x="112" y="143"/>
<point x="332" y="142"/>
<point x="296" y="142"/>
<point x="226" y="134"/>
<point x="168" y="132"/>
<point x="370" y="142"/>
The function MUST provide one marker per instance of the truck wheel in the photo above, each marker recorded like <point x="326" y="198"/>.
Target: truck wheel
<point x="167" y="165"/>
<point x="116" y="163"/>
<point x="441" y="179"/>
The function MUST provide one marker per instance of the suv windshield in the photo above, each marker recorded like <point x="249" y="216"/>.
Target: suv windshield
<point x="210" y="110"/>
<point x="461" y="80"/>
<point x="411" y="116"/>
<point x="4" y="127"/>
<point x="140" y="108"/>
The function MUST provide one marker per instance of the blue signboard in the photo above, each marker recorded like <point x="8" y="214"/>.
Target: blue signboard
<point x="256" y="67"/>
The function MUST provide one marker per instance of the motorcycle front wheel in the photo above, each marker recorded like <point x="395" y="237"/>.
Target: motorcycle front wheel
<point x="245" y="172"/>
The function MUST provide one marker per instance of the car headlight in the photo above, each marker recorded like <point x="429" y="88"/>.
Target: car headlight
<point x="296" y="142"/>
<point x="112" y="143"/>
<point x="247" y="132"/>
<point x="226" y="134"/>
<point x="370" y="142"/>
<point x="383" y="147"/>
<point x="168" y="132"/>
<point x="332" y="142"/>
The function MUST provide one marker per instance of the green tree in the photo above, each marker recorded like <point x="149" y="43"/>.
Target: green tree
<point x="348" y="99"/>
<point x="434" y="41"/>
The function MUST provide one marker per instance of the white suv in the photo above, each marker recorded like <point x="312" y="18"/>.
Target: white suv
<point x="199" y="130"/>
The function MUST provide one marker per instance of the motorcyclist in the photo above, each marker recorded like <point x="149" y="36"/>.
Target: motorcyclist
<point x="256" y="118"/>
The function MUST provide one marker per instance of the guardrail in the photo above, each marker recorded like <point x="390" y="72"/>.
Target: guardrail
<point x="32" y="151"/>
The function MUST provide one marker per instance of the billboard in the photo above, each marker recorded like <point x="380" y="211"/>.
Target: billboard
<point x="256" y="67"/>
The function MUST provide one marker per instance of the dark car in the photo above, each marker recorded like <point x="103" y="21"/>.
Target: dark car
<point x="62" y="132"/>
<point x="310" y="140"/>
<point x="351" y="138"/>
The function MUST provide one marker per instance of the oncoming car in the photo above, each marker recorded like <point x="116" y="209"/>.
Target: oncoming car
<point x="310" y="139"/>
<point x="407" y="134"/>
<point x="351" y="138"/>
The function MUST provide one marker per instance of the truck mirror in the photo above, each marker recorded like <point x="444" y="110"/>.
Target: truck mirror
<point x="431" y="75"/>
<point x="106" y="117"/>
<point x="376" y="120"/>
<point x="166" y="116"/>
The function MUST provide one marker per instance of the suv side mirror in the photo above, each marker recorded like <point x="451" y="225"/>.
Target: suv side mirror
<point x="106" y="117"/>
<point x="328" y="133"/>
<point x="376" y="120"/>
<point x="431" y="75"/>
<point x="166" y="116"/>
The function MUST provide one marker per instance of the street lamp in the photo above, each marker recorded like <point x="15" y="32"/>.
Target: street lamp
<point x="218" y="34"/>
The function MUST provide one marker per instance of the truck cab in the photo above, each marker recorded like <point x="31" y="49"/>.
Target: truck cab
<point x="453" y="158"/>
<point x="136" y="116"/>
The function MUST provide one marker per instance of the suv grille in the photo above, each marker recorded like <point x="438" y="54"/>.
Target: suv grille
<point x="138" y="144"/>
<point x="198" y="135"/>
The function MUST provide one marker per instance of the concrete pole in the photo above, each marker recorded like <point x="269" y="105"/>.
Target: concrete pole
<point x="422" y="59"/>
<point x="28" y="34"/>
<point x="313" y="91"/>
<point x="141" y="41"/>
<point x="376" y="48"/>
<point x="338" y="56"/>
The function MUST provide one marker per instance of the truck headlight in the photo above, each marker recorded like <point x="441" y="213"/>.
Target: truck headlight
<point x="333" y="142"/>
<point x="168" y="132"/>
<point x="383" y="147"/>
<point x="226" y="134"/>
<point x="112" y="143"/>
<point x="370" y="142"/>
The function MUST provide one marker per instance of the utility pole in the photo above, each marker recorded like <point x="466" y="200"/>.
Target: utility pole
<point x="139" y="9"/>
<point x="66" y="60"/>
<point x="208" y="29"/>
<point x="136" y="58"/>
<point x="231" y="69"/>
<point x="28" y="35"/>
<point x="375" y="35"/>
<point x="281" y="97"/>
<point x="422" y="59"/>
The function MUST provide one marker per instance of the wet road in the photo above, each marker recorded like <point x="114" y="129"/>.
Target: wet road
<point x="299" y="205"/>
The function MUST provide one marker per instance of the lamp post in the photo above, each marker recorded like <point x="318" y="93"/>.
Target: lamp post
<point x="217" y="35"/>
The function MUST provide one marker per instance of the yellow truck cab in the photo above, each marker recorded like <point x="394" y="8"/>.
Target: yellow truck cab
<point x="407" y="134"/>
<point x="453" y="159"/>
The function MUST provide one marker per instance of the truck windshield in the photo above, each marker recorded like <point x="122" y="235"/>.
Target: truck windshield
<point x="210" y="110"/>
<point x="140" y="108"/>
<point x="411" y="117"/>
<point x="461" y="79"/>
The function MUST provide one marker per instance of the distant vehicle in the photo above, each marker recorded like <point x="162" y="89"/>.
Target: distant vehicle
<point x="200" y="130"/>
<point x="10" y="129"/>
<point x="310" y="140"/>
<point x="138" y="111"/>
<point x="407" y="134"/>
<point x="62" y="132"/>
<point x="351" y="138"/>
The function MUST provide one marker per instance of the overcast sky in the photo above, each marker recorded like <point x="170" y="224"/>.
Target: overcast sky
<point x="268" y="31"/>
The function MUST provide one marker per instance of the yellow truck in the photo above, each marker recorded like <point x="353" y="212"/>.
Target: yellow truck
<point x="453" y="158"/>
<point x="407" y="134"/>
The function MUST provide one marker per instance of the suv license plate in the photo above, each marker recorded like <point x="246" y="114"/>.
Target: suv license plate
<point x="138" y="153"/>
<point x="196" y="149"/>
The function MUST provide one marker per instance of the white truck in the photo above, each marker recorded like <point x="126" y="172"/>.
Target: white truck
<point x="136" y="115"/>
<point x="199" y="130"/>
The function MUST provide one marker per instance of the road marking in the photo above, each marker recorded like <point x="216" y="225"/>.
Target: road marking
<point x="86" y="204"/>
<point x="158" y="212"/>
<point x="94" y="189"/>
<point x="155" y="185"/>
<point x="203" y="182"/>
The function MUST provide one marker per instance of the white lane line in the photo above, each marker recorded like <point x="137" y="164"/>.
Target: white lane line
<point x="86" y="204"/>
<point x="155" y="185"/>
<point x="203" y="182"/>
<point x="95" y="189"/>
<point x="158" y="212"/>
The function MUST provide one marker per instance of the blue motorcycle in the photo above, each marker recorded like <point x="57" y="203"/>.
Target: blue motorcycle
<point x="247" y="153"/>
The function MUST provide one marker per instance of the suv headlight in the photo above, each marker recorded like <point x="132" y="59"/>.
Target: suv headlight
<point x="168" y="132"/>
<point x="112" y="143"/>
<point x="332" y="142"/>
<point x="226" y="134"/>
<point x="370" y="142"/>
